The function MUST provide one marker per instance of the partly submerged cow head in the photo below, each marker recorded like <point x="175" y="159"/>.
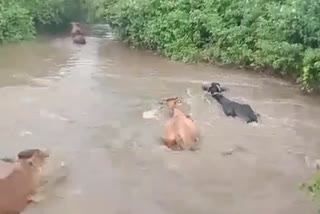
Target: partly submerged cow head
<point x="213" y="88"/>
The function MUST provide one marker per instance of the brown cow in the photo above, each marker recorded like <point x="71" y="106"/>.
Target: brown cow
<point x="79" y="39"/>
<point x="76" y="29"/>
<point x="77" y="34"/>
<point x="19" y="180"/>
<point x="180" y="130"/>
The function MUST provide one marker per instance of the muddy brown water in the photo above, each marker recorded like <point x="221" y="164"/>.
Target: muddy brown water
<point x="86" y="103"/>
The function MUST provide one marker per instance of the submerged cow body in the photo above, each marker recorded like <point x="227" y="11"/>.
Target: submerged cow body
<point x="79" y="39"/>
<point x="77" y="34"/>
<point x="19" y="180"/>
<point x="234" y="109"/>
<point x="231" y="108"/>
<point x="180" y="130"/>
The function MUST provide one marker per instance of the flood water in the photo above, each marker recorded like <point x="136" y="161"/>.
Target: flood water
<point x="85" y="104"/>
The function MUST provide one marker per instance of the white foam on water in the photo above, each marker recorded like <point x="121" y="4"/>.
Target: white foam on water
<point x="152" y="114"/>
<point x="313" y="164"/>
<point x="49" y="115"/>
<point x="189" y="92"/>
<point x="241" y="84"/>
<point x="25" y="132"/>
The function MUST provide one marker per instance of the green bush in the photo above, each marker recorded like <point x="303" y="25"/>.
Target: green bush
<point x="19" y="19"/>
<point x="16" y="23"/>
<point x="94" y="10"/>
<point x="265" y="34"/>
<point x="313" y="187"/>
<point x="310" y="77"/>
<point x="45" y="12"/>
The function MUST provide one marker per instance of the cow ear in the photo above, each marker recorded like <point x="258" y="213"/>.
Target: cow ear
<point x="219" y="88"/>
<point x="30" y="162"/>
<point x="26" y="154"/>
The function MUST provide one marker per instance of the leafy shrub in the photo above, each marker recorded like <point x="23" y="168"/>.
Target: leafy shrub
<point x="310" y="77"/>
<point x="15" y="22"/>
<point x="282" y="35"/>
<point x="20" y="18"/>
<point x="45" y="12"/>
<point x="94" y="10"/>
<point x="313" y="187"/>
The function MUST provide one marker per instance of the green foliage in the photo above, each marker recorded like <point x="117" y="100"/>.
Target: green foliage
<point x="15" y="22"/>
<point x="20" y="18"/>
<point x="45" y="12"/>
<point x="95" y="10"/>
<point x="281" y="35"/>
<point x="313" y="187"/>
<point x="265" y="34"/>
<point x="310" y="77"/>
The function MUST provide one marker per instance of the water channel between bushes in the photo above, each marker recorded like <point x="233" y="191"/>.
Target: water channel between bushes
<point x="85" y="104"/>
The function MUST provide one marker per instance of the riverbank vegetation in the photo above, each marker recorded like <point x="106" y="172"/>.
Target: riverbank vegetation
<point x="20" y="19"/>
<point x="283" y="36"/>
<point x="313" y="187"/>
